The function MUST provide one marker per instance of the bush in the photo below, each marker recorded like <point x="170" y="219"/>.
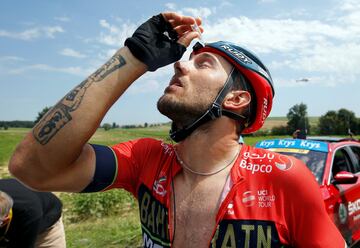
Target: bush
<point x="87" y="205"/>
<point x="280" y="130"/>
<point x="261" y="132"/>
<point x="106" y="126"/>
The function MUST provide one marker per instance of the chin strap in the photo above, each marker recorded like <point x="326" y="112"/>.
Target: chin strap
<point x="215" y="111"/>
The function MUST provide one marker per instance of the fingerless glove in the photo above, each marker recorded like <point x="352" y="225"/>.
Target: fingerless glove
<point x="155" y="43"/>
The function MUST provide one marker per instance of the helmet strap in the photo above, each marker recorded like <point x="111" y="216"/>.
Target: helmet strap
<point x="215" y="111"/>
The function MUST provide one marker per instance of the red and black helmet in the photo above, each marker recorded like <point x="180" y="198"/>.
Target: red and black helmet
<point x="257" y="75"/>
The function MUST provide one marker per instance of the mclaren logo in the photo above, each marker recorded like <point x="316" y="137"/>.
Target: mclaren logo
<point x="241" y="56"/>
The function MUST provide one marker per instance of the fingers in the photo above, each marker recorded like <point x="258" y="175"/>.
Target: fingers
<point x="180" y="21"/>
<point x="187" y="38"/>
<point x="176" y="19"/>
<point x="182" y="25"/>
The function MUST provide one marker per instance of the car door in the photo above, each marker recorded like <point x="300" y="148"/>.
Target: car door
<point x="349" y="208"/>
<point x="355" y="150"/>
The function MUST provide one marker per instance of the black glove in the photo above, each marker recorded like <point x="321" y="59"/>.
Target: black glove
<point x="155" y="43"/>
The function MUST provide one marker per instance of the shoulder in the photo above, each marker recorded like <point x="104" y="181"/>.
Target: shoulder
<point x="141" y="150"/>
<point x="142" y="143"/>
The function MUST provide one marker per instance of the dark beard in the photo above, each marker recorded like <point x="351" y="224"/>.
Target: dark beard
<point x="180" y="113"/>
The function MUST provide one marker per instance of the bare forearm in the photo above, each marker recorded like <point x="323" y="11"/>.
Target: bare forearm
<point x="58" y="139"/>
<point x="87" y="103"/>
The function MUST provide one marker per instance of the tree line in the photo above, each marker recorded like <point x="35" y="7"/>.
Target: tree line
<point x="340" y="122"/>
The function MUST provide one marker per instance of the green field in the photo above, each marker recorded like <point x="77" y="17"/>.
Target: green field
<point x="119" y="228"/>
<point x="87" y="223"/>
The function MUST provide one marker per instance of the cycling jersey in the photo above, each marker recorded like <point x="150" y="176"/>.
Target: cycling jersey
<point x="270" y="200"/>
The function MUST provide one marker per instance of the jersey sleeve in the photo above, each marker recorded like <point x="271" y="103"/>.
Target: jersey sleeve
<point x="119" y="166"/>
<point x="308" y="222"/>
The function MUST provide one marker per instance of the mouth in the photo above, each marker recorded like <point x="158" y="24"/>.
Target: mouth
<point x="175" y="83"/>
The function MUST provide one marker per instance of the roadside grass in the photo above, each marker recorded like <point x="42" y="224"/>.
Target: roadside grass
<point x="8" y="141"/>
<point x="118" y="229"/>
<point x="122" y="230"/>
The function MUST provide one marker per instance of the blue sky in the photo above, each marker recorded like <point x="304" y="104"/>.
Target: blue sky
<point x="48" y="47"/>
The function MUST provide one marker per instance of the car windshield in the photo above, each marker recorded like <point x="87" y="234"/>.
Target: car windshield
<point x="314" y="160"/>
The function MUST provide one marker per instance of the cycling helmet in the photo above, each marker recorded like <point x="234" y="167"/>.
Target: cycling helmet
<point x="257" y="75"/>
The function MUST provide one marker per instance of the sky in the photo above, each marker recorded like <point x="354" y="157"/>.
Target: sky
<point x="311" y="47"/>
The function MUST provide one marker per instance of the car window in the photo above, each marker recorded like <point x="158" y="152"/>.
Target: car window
<point x="341" y="162"/>
<point x="314" y="160"/>
<point x="356" y="151"/>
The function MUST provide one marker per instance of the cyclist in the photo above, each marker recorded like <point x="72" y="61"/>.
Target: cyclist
<point x="208" y="190"/>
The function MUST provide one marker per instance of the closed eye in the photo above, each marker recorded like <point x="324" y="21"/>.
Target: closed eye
<point x="204" y="60"/>
<point x="204" y="64"/>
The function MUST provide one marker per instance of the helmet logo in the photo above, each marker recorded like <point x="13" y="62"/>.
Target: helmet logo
<point x="241" y="56"/>
<point x="264" y="112"/>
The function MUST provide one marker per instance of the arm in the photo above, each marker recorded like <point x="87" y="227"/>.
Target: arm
<point x="55" y="156"/>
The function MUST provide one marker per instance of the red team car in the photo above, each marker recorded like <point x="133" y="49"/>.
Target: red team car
<point x="335" y="164"/>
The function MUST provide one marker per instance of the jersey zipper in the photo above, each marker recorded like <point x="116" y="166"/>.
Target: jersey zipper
<point x="223" y="208"/>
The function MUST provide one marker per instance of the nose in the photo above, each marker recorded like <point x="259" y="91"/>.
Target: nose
<point x="181" y="67"/>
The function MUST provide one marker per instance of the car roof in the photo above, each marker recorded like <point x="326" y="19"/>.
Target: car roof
<point x="331" y="139"/>
<point x="305" y="144"/>
<point x="314" y="143"/>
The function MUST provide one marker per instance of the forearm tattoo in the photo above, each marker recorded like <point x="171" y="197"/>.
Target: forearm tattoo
<point x="60" y="114"/>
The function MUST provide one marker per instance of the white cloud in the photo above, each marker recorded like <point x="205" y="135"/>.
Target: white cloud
<point x="349" y="5"/>
<point x="294" y="14"/>
<point x="267" y="1"/>
<point x="33" y="33"/>
<point x="11" y="59"/>
<point x="171" y="6"/>
<point x="154" y="82"/>
<point x="28" y="34"/>
<point x="342" y="59"/>
<point x="308" y="46"/>
<point x="115" y="35"/>
<point x="225" y="3"/>
<point x="145" y="86"/>
<point x="74" y="70"/>
<point x="269" y="35"/>
<point x="351" y="16"/>
<point x="62" y="18"/>
<point x="202" y="12"/>
<point x="72" y="53"/>
<point x="51" y="31"/>
<point x="311" y="47"/>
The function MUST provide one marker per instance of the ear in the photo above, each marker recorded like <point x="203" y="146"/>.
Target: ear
<point x="237" y="100"/>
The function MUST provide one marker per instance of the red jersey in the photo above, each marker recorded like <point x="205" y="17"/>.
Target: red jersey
<point x="270" y="200"/>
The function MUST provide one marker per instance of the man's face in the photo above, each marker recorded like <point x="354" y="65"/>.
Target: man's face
<point x="193" y="87"/>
